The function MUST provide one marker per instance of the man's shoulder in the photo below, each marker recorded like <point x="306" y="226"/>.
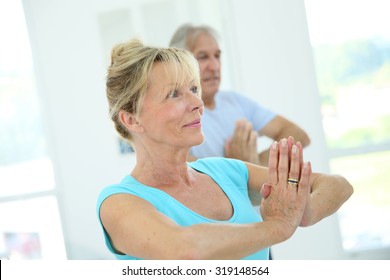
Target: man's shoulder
<point x="228" y="94"/>
<point x="231" y="95"/>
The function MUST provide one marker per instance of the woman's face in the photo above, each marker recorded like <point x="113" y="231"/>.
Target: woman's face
<point x="172" y="110"/>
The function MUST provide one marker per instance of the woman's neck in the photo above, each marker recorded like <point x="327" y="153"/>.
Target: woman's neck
<point x="159" y="171"/>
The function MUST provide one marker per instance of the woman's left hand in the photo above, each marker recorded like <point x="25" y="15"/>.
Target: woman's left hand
<point x="294" y="172"/>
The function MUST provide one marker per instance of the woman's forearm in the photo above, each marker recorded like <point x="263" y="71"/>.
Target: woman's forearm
<point x="328" y="193"/>
<point x="218" y="241"/>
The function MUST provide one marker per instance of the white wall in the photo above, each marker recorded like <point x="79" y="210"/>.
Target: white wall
<point x="267" y="55"/>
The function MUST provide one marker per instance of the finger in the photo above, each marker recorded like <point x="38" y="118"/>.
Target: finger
<point x="273" y="163"/>
<point x="304" y="183"/>
<point x="227" y="147"/>
<point x="253" y="140"/>
<point x="290" y="143"/>
<point x="265" y="190"/>
<point x="291" y="139"/>
<point x="300" y="148"/>
<point x="248" y="129"/>
<point x="239" y="131"/>
<point x="242" y="131"/>
<point x="236" y="132"/>
<point x="295" y="166"/>
<point x="283" y="167"/>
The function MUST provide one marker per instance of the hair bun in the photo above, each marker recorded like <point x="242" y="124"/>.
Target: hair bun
<point x="119" y="49"/>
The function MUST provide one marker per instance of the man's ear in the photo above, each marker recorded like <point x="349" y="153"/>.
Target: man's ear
<point x="130" y="121"/>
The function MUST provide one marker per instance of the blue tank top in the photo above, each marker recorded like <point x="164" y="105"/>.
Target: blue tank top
<point x="231" y="176"/>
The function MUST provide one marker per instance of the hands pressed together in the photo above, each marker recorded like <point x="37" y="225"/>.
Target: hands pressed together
<point x="289" y="201"/>
<point x="243" y="144"/>
<point x="286" y="198"/>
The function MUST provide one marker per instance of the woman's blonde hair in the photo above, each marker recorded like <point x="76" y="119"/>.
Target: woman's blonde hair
<point x="129" y="71"/>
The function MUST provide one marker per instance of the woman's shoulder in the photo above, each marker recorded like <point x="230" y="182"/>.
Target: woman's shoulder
<point x="128" y="185"/>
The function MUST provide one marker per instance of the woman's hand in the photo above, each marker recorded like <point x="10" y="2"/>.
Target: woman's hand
<point x="285" y="201"/>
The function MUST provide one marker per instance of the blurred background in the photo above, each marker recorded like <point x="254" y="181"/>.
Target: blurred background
<point x="324" y="64"/>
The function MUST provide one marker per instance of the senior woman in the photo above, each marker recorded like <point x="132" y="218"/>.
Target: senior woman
<point x="168" y="208"/>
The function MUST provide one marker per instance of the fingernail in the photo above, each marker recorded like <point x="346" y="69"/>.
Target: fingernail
<point x="294" y="149"/>
<point x="284" y="142"/>
<point x="274" y="145"/>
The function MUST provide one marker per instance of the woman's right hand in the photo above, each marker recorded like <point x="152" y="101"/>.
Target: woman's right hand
<point x="285" y="203"/>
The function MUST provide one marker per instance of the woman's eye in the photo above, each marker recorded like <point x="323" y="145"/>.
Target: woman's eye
<point x="174" y="93"/>
<point x="194" y="89"/>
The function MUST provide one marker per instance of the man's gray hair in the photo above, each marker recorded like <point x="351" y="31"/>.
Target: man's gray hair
<point x="185" y="35"/>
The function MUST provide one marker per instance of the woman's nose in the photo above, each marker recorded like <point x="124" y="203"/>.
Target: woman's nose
<point x="195" y="101"/>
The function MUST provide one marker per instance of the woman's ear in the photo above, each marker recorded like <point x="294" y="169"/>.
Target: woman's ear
<point x="130" y="121"/>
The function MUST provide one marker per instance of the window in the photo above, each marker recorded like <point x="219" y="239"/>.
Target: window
<point x="351" y="47"/>
<point x="30" y="225"/>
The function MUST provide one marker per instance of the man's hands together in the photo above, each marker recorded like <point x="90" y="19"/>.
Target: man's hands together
<point x="243" y="144"/>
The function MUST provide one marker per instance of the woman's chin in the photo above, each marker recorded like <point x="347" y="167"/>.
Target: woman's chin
<point x="197" y="141"/>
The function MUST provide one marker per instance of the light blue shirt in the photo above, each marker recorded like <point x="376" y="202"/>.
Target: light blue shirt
<point x="230" y="175"/>
<point x="218" y="124"/>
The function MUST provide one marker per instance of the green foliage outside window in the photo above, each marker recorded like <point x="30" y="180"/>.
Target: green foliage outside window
<point x="347" y="68"/>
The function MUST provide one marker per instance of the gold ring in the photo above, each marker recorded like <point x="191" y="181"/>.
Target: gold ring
<point x="293" y="182"/>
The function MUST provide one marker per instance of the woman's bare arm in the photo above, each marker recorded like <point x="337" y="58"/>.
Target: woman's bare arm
<point x="136" y="228"/>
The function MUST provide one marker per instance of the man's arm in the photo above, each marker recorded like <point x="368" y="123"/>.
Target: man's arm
<point x="279" y="128"/>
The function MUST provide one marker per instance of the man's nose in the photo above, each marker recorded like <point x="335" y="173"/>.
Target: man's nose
<point x="213" y="63"/>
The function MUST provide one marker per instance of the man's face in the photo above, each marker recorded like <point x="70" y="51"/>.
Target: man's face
<point x="206" y="50"/>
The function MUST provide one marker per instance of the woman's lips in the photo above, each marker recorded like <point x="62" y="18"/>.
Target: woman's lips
<point x="195" y="123"/>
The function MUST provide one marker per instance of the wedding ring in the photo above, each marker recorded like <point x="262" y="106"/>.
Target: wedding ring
<point x="292" y="182"/>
